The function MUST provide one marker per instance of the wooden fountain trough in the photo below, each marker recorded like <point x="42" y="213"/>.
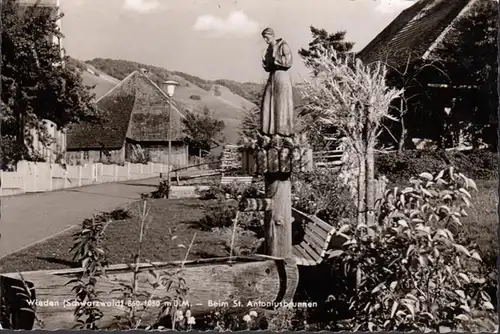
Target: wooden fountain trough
<point x="211" y="283"/>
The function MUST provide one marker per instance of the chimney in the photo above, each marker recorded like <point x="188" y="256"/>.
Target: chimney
<point x="143" y="71"/>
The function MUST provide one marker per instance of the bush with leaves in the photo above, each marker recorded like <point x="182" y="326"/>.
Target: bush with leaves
<point x="223" y="205"/>
<point x="234" y="190"/>
<point x="163" y="190"/>
<point x="412" y="269"/>
<point x="323" y="194"/>
<point x="399" y="167"/>
<point x="89" y="250"/>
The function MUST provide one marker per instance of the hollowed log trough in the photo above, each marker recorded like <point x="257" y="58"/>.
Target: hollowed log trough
<point x="211" y="283"/>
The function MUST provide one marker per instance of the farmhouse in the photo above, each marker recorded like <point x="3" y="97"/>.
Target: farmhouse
<point x="135" y="128"/>
<point x="427" y="33"/>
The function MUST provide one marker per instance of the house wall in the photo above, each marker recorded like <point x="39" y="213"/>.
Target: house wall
<point x="95" y="156"/>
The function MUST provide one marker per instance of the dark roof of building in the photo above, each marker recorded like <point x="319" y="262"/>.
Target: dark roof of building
<point x="135" y="108"/>
<point x="414" y="32"/>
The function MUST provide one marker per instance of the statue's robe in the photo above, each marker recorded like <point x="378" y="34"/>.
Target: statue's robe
<point x="277" y="116"/>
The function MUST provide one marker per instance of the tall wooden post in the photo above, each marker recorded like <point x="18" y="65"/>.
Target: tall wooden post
<point x="278" y="221"/>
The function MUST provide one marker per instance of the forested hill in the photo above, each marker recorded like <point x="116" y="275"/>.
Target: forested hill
<point x="119" y="69"/>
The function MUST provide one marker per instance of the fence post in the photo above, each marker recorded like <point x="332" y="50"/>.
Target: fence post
<point x="115" y="172"/>
<point x="101" y="171"/>
<point x="127" y="164"/>
<point x="51" y="173"/>
<point x="80" y="172"/>
<point x="151" y="168"/>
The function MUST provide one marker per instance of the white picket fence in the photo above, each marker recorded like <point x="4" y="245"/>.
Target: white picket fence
<point x="41" y="176"/>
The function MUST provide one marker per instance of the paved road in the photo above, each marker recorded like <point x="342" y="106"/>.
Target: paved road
<point x="29" y="218"/>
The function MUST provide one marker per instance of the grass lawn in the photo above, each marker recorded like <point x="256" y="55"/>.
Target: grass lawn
<point x="176" y="215"/>
<point x="482" y="223"/>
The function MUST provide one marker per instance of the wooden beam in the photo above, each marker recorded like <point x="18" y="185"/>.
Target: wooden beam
<point x="452" y="86"/>
<point x="246" y="279"/>
<point x="278" y="221"/>
<point x="256" y="204"/>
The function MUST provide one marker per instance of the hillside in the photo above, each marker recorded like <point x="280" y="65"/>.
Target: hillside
<point x="227" y="99"/>
<point x="100" y="81"/>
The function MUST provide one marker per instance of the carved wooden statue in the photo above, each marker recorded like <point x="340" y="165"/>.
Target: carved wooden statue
<point x="277" y="103"/>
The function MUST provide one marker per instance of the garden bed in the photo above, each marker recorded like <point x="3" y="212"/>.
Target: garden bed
<point x="167" y="218"/>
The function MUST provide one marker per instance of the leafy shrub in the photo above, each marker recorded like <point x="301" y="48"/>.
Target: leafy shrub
<point x="400" y="167"/>
<point x="223" y="205"/>
<point x="323" y="194"/>
<point x="413" y="270"/>
<point x="218" y="213"/>
<point x="163" y="190"/>
<point x="235" y="190"/>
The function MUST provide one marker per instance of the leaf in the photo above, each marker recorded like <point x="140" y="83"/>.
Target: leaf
<point x="465" y="192"/>
<point x="423" y="261"/>
<point x="343" y="228"/>
<point x="460" y="293"/>
<point x="462" y="317"/>
<point x="472" y="184"/>
<point x="370" y="326"/>
<point x="465" y="307"/>
<point x="425" y="192"/>
<point x="394" y="308"/>
<point x="410" y="308"/>
<point x="488" y="306"/>
<point x="393" y="285"/>
<point x="426" y="176"/>
<point x="402" y="223"/>
<point x="464" y="277"/>
<point x="440" y="175"/>
<point x="334" y="253"/>
<point x="378" y="287"/>
<point x="462" y="249"/>
<point x="476" y="256"/>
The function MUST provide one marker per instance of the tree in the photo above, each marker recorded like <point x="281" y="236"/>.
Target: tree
<point x="201" y="130"/>
<point x="324" y="39"/>
<point x="250" y="124"/>
<point x="469" y="55"/>
<point x="356" y="104"/>
<point x="411" y="78"/>
<point x="35" y="83"/>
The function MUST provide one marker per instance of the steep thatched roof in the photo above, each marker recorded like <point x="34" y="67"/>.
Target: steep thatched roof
<point x="136" y="108"/>
<point x="415" y="32"/>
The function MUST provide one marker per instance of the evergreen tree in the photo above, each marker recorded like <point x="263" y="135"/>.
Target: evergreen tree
<point x="322" y="38"/>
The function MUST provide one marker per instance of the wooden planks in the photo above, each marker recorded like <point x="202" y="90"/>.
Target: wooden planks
<point x="318" y="234"/>
<point x="239" y="179"/>
<point x="246" y="280"/>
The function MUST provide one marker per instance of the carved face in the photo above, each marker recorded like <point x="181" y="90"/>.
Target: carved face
<point x="268" y="38"/>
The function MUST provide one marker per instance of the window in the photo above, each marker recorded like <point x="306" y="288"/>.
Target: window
<point x="86" y="155"/>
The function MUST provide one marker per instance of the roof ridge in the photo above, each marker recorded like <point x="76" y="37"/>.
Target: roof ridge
<point x="116" y="86"/>
<point x="174" y="104"/>
<point x="446" y="30"/>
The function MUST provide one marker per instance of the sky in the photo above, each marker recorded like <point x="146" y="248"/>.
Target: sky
<point x="214" y="39"/>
